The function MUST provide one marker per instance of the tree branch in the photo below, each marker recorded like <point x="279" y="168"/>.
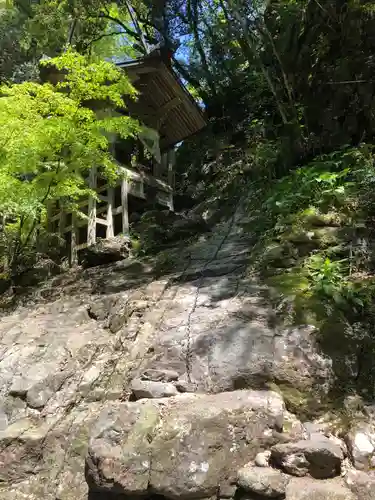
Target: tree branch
<point x="113" y="33"/>
<point x="71" y="31"/>
<point x="127" y="30"/>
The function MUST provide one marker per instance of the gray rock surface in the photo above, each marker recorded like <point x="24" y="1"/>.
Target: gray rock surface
<point x="39" y="394"/>
<point x="206" y="320"/>
<point x="362" y="484"/>
<point x="185" y="446"/>
<point x="160" y="375"/>
<point x="320" y="458"/>
<point x="310" y="489"/>
<point x="270" y="483"/>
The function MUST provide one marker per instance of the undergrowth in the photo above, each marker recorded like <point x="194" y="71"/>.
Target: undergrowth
<point x="315" y="239"/>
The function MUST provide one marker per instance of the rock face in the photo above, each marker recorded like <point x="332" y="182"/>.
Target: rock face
<point x="72" y="351"/>
<point x="186" y="446"/>
<point x="318" y="457"/>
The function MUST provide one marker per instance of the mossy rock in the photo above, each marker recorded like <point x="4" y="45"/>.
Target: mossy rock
<point x="279" y="255"/>
<point x="326" y="236"/>
<point x="306" y="405"/>
<point x="300" y="236"/>
<point x="332" y="219"/>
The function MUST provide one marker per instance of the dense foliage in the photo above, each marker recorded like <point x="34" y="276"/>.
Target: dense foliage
<point x="51" y="139"/>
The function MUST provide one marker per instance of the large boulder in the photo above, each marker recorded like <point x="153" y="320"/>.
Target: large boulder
<point x="320" y="457"/>
<point x="106" y="251"/>
<point x="361" y="445"/>
<point x="270" y="483"/>
<point x="184" y="446"/>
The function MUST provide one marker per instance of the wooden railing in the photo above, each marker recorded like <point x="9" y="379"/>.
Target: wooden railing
<point x="130" y="182"/>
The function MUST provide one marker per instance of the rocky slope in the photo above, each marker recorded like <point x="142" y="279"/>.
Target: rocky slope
<point x="116" y="381"/>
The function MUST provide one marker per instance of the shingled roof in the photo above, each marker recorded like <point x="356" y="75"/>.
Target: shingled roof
<point x="164" y="103"/>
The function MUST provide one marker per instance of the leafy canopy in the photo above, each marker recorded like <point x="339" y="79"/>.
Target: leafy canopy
<point x="50" y="137"/>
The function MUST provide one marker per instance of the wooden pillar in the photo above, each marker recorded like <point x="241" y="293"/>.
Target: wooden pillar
<point x="170" y="180"/>
<point x="111" y="199"/>
<point x="74" y="241"/>
<point x="91" y="226"/>
<point x="62" y="222"/>
<point x="124" y="205"/>
<point x="171" y="161"/>
<point x="160" y="169"/>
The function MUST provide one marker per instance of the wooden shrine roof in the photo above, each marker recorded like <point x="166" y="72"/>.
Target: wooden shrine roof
<point x="163" y="104"/>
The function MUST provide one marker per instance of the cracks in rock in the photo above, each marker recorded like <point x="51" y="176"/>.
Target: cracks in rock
<point x="136" y="357"/>
<point x="188" y="338"/>
<point x="138" y="360"/>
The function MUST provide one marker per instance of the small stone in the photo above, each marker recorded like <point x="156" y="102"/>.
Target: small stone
<point x="263" y="459"/>
<point x="149" y="389"/>
<point x="160" y="375"/>
<point x="361" y="447"/>
<point x="106" y="251"/>
<point x="320" y="458"/>
<point x="268" y="482"/>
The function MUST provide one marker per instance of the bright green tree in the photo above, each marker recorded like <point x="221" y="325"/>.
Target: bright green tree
<point x="51" y="136"/>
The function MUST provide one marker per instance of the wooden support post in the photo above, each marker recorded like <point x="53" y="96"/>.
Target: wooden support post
<point x="156" y="169"/>
<point x="162" y="168"/>
<point x="111" y="199"/>
<point x="91" y="226"/>
<point x="171" y="161"/>
<point x="62" y="222"/>
<point x="74" y="241"/>
<point x="124" y="205"/>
